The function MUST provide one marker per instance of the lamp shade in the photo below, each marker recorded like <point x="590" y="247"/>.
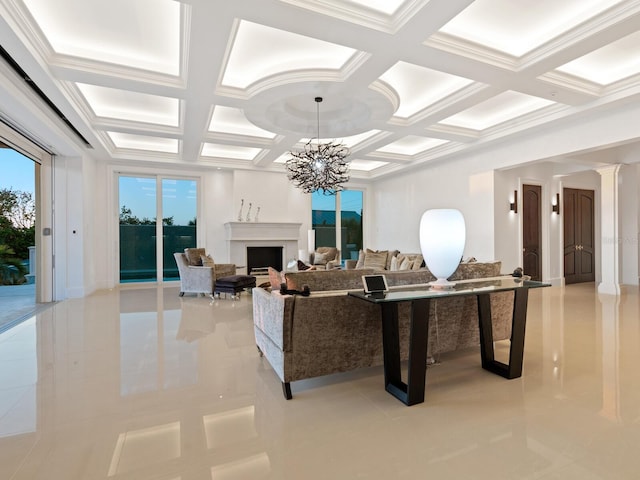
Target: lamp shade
<point x="442" y="239"/>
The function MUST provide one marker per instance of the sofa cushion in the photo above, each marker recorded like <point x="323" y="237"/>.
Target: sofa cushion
<point x="390" y="255"/>
<point x="322" y="280"/>
<point x="194" y="256"/>
<point x="207" y="261"/>
<point x="406" y="264"/>
<point x="376" y="260"/>
<point x="319" y="258"/>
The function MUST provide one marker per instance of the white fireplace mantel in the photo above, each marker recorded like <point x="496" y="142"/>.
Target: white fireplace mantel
<point x="237" y="231"/>
<point x="241" y="235"/>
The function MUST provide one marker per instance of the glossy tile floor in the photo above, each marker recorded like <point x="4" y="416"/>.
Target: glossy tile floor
<point x="141" y="384"/>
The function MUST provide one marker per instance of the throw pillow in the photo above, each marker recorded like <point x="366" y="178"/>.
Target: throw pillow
<point x="207" y="261"/>
<point x="302" y="266"/>
<point x="406" y="264"/>
<point x="319" y="259"/>
<point x="275" y="278"/>
<point x="376" y="260"/>
<point x="194" y="256"/>
<point x="360" y="262"/>
<point x="391" y="254"/>
<point x="394" y="264"/>
<point x="417" y="262"/>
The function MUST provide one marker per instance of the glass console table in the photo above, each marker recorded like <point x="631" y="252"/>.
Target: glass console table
<point x="420" y="297"/>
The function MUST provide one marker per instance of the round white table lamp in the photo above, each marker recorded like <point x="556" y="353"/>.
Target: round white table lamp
<point x="442" y="239"/>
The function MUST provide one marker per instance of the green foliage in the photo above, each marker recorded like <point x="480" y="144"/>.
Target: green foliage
<point x="127" y="218"/>
<point x="17" y="221"/>
<point x="18" y="207"/>
<point x="12" y="271"/>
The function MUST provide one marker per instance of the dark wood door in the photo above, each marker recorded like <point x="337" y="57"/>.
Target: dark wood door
<point x="531" y="228"/>
<point x="579" y="235"/>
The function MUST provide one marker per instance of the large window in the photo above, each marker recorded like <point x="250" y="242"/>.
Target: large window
<point x="337" y="220"/>
<point x="156" y="215"/>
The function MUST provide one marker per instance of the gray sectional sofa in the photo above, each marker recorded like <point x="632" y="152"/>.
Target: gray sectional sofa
<point x="329" y="332"/>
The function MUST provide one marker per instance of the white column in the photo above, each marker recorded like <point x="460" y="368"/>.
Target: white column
<point x="609" y="231"/>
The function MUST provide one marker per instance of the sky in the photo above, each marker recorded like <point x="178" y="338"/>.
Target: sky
<point x="17" y="172"/>
<point x="179" y="199"/>
<point x="350" y="200"/>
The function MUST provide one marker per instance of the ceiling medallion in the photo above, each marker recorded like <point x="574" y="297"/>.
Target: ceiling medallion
<point x="322" y="166"/>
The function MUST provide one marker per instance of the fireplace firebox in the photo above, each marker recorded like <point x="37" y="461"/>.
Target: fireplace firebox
<point x="259" y="258"/>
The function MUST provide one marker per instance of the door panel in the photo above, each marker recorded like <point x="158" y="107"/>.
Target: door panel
<point x="579" y="235"/>
<point x="531" y="231"/>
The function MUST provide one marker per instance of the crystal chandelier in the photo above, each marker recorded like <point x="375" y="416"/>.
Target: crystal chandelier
<point x="322" y="166"/>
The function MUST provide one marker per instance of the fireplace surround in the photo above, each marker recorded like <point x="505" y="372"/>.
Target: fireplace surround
<point x="244" y="235"/>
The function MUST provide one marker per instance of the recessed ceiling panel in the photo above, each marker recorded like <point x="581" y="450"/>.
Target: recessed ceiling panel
<point x="229" y="151"/>
<point x="388" y="7"/>
<point x="259" y="51"/>
<point x="141" y="34"/>
<point x="233" y="120"/>
<point x="418" y="87"/>
<point x="132" y="106"/>
<point x="366" y="165"/>
<point x="144" y="142"/>
<point x="350" y="142"/>
<point x="517" y="27"/>
<point x="608" y="64"/>
<point x="292" y="109"/>
<point x="503" y="107"/>
<point x="411" y="145"/>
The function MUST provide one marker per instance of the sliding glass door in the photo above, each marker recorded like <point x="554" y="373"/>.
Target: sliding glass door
<point x="157" y="214"/>
<point x="179" y="213"/>
<point x="337" y="221"/>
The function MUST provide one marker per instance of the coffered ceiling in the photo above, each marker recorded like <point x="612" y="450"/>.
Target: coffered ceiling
<point x="231" y="84"/>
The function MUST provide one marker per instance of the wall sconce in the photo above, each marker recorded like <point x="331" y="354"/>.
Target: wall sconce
<point x="513" y="206"/>
<point x="555" y="207"/>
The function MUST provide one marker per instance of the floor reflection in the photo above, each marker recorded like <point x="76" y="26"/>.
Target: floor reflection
<point x="142" y="384"/>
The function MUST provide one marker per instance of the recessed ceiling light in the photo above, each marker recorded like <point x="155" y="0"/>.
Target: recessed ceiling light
<point x="505" y="106"/>
<point x="350" y="141"/>
<point x="229" y="151"/>
<point x="516" y="27"/>
<point x="616" y="61"/>
<point x="233" y="120"/>
<point x="132" y="106"/>
<point x="366" y="165"/>
<point x="259" y="51"/>
<point x="142" y="34"/>
<point x="411" y="145"/>
<point x="388" y="7"/>
<point x="418" y="87"/>
<point x="144" y="142"/>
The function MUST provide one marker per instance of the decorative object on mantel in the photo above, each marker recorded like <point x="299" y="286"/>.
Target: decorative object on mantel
<point x="240" y="212"/>
<point x="442" y="239"/>
<point x="255" y="219"/>
<point x="249" y="213"/>
<point x="322" y="166"/>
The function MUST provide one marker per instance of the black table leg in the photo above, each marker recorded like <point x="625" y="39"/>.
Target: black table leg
<point x="518" y="324"/>
<point x="411" y="392"/>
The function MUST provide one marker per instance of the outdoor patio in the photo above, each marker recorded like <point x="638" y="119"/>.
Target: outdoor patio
<point x="16" y="303"/>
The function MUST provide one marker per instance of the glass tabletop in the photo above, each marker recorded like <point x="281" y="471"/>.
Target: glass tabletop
<point x="466" y="287"/>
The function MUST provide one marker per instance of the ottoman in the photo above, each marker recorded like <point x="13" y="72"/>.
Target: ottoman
<point x="234" y="284"/>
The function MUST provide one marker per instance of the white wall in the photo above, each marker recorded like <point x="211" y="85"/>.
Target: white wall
<point x="220" y="194"/>
<point x="398" y="204"/>
<point x="68" y="228"/>
<point x="629" y="178"/>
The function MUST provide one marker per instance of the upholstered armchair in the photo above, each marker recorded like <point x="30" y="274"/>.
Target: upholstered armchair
<point x="325" y="258"/>
<point x="198" y="272"/>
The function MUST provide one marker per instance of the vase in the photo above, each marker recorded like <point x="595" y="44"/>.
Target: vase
<point x="240" y="212"/>
<point x="442" y="239"/>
